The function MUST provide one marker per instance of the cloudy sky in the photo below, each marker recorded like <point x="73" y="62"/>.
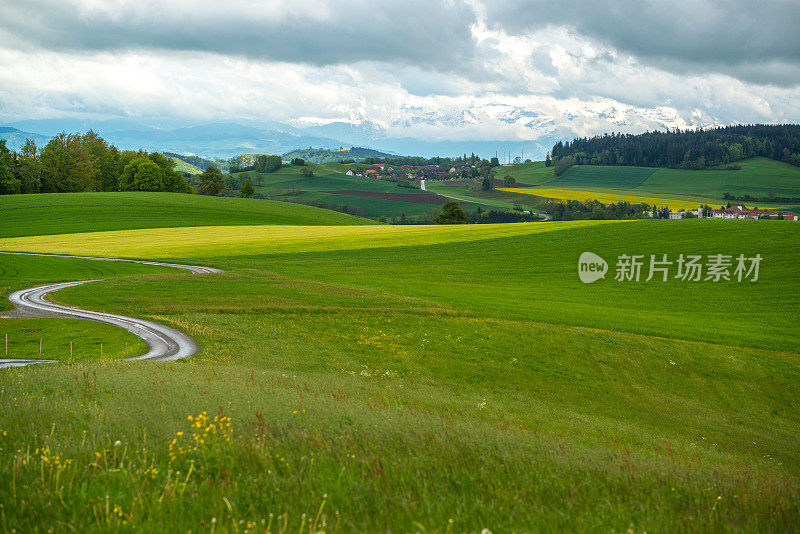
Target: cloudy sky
<point x="434" y="69"/>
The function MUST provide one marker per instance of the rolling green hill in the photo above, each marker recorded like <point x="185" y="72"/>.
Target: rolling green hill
<point x="756" y="177"/>
<point x="184" y="166"/>
<point x="85" y="212"/>
<point x="198" y="162"/>
<point x="435" y="382"/>
<point x="595" y="176"/>
<point x="288" y="183"/>
<point x="527" y="173"/>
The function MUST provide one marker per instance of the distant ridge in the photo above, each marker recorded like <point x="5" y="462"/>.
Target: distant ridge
<point x="15" y="138"/>
<point x="320" y="155"/>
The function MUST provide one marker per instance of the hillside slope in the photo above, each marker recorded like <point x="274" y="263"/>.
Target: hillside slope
<point x="56" y="213"/>
<point x="755" y="177"/>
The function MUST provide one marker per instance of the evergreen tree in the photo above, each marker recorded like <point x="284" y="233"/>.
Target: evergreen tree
<point x="488" y="182"/>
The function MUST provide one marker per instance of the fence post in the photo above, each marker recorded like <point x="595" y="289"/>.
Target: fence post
<point x="40" y="348"/>
<point x="70" y="350"/>
<point x="101" y="349"/>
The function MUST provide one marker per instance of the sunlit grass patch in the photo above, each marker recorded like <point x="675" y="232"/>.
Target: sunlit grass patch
<point x="250" y="240"/>
<point x="674" y="204"/>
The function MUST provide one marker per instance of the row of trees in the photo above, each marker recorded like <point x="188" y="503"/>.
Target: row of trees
<point x="75" y="162"/>
<point x="263" y="163"/>
<point x="690" y="149"/>
<point x="575" y="210"/>
<point x="414" y="161"/>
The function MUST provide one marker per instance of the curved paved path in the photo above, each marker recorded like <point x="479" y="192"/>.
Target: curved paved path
<point x="165" y="343"/>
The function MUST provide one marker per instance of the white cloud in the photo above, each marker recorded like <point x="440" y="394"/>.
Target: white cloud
<point x="440" y="69"/>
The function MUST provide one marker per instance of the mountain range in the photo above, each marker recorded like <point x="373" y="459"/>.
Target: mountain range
<point x="229" y="138"/>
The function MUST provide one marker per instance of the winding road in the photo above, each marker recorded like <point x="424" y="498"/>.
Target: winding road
<point x="165" y="343"/>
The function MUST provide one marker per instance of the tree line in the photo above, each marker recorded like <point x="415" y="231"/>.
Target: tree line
<point x="75" y="162"/>
<point x="576" y="210"/>
<point x="688" y="149"/>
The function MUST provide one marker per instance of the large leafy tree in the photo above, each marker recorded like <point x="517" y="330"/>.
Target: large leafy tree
<point x="451" y="214"/>
<point x="30" y="170"/>
<point x="211" y="182"/>
<point x="66" y="165"/>
<point x="141" y="175"/>
<point x="268" y="163"/>
<point x="247" y="190"/>
<point x="172" y="180"/>
<point x="9" y="183"/>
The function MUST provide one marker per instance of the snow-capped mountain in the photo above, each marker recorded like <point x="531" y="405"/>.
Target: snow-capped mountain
<point x="484" y="127"/>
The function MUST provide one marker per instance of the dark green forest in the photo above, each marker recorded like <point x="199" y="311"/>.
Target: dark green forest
<point x="75" y="162"/>
<point x="689" y="149"/>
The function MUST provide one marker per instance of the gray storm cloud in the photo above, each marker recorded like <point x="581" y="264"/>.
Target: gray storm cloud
<point x="758" y="41"/>
<point x="424" y="64"/>
<point x="426" y="33"/>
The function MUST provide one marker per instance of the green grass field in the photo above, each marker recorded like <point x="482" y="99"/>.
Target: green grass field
<point x="528" y="173"/>
<point x="426" y="379"/>
<point x="85" y="212"/>
<point x="595" y="176"/>
<point x="495" y="198"/>
<point x="331" y="177"/>
<point x="756" y="178"/>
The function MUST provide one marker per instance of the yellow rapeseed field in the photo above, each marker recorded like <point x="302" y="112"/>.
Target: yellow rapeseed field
<point x="606" y="198"/>
<point x="209" y="241"/>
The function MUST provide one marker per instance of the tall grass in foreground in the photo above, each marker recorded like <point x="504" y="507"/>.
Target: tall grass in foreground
<point x="404" y="389"/>
<point x="236" y="448"/>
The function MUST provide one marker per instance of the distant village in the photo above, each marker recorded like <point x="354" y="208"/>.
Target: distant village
<point x="731" y="212"/>
<point x="410" y="172"/>
<point x="383" y="171"/>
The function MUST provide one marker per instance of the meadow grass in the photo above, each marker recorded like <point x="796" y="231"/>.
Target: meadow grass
<point x="65" y="339"/>
<point x="288" y="182"/>
<point x="607" y="197"/>
<point x="493" y="199"/>
<point x="427" y="386"/>
<point x="373" y="207"/>
<point x="756" y="177"/>
<point x="56" y="213"/>
<point x="607" y="177"/>
<point x="248" y="240"/>
<point x="534" y="173"/>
